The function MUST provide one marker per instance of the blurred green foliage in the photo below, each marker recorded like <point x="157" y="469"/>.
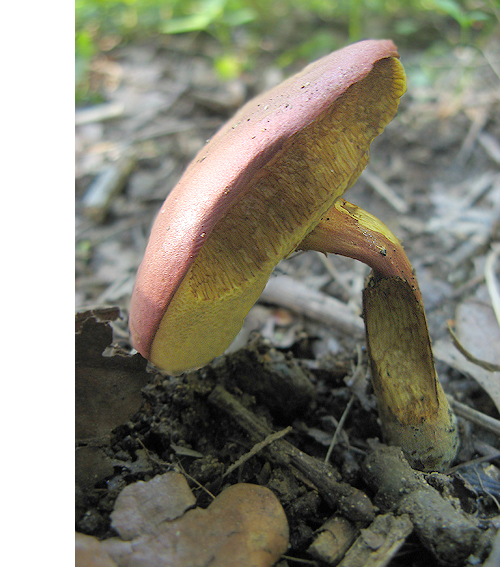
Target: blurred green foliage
<point x="291" y="29"/>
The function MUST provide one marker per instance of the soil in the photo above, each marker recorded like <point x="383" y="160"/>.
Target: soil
<point x="440" y="157"/>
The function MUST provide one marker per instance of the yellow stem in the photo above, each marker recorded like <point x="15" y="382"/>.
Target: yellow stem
<point x="413" y="408"/>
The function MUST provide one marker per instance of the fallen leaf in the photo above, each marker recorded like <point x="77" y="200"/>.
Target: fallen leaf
<point x="478" y="332"/>
<point x="89" y="553"/>
<point x="477" y="329"/>
<point x="142" y="507"/>
<point x="244" y="526"/>
<point x="92" y="465"/>
<point x="108" y="388"/>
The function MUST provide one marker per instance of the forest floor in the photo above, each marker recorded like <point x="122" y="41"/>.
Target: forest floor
<point x="433" y="178"/>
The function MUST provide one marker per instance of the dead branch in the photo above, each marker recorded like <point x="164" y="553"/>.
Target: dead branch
<point x="445" y="531"/>
<point x="294" y="295"/>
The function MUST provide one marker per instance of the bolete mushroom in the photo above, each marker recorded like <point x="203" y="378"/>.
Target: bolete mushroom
<point x="268" y="183"/>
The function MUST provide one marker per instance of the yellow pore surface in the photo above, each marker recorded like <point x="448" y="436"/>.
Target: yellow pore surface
<point x="284" y="201"/>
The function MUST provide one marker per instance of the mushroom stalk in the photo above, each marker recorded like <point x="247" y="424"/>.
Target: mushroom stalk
<point x="348" y="230"/>
<point x="267" y="183"/>
<point x="413" y="408"/>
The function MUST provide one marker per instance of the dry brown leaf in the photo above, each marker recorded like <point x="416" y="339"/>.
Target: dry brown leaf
<point x="477" y="329"/>
<point x="89" y="553"/>
<point x="245" y="526"/>
<point x="107" y="392"/>
<point x="108" y="388"/>
<point x="478" y="332"/>
<point x="143" y="506"/>
<point x="92" y="465"/>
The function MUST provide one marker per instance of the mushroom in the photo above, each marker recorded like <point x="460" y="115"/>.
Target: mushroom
<point x="263" y="187"/>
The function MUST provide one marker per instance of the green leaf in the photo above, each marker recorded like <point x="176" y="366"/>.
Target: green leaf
<point x="200" y="21"/>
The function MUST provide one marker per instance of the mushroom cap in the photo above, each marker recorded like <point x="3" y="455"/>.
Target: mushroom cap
<point x="251" y="195"/>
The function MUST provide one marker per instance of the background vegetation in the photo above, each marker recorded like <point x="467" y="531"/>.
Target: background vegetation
<point x="286" y="29"/>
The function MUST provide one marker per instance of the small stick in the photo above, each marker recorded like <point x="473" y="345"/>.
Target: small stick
<point x="333" y="540"/>
<point x="300" y="560"/>
<point x="402" y="490"/>
<point x="99" y="113"/>
<point x="478" y="461"/>
<point x="256" y="449"/>
<point x="491" y="367"/>
<point x="339" y="429"/>
<point x="476" y="417"/>
<point x="381" y="187"/>
<point x="491" y="281"/>
<point x="336" y="275"/>
<point x="485" y="449"/>
<point x="106" y="187"/>
<point x="477" y="125"/>
<point x="295" y="295"/>
<point x="379" y="542"/>
<point x="491" y="146"/>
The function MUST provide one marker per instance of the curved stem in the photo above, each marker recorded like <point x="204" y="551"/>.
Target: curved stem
<point x="348" y="230"/>
<point x="413" y="408"/>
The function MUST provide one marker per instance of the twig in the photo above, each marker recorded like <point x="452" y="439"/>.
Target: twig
<point x="485" y="449"/>
<point x="336" y="275"/>
<point x="491" y="281"/>
<point x="256" y="449"/>
<point x="99" y="113"/>
<point x="357" y="382"/>
<point x="381" y="187"/>
<point x="339" y="429"/>
<point x="485" y="489"/>
<point x="402" y="490"/>
<point x="473" y="191"/>
<point x="476" y="417"/>
<point x="333" y="539"/>
<point x="467" y="286"/>
<point x="297" y="560"/>
<point x="179" y="466"/>
<point x="491" y="145"/>
<point x="475" y="243"/>
<point x="294" y="295"/>
<point x="486" y="55"/>
<point x="473" y="462"/>
<point x="379" y="542"/>
<point x="106" y="186"/>
<point x="478" y="123"/>
<point x="490" y="366"/>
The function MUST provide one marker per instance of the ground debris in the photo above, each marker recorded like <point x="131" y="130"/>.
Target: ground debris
<point x="108" y="388"/>
<point x="449" y="534"/>
<point x="379" y="542"/>
<point x="89" y="552"/>
<point x="108" y="184"/>
<point x="478" y="332"/>
<point x="282" y="384"/>
<point x="333" y="540"/>
<point x="158" y="527"/>
<point x="353" y="503"/>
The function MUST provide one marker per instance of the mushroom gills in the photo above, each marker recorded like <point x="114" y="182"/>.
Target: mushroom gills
<point x="283" y="201"/>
